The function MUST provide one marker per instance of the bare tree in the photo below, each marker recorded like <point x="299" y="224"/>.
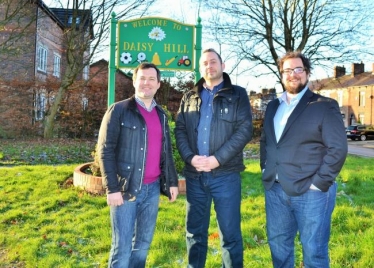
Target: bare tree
<point x="86" y="36"/>
<point x="13" y="25"/>
<point x="259" y="32"/>
<point x="17" y="22"/>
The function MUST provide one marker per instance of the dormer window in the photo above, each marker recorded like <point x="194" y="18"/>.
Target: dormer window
<point x="77" y="20"/>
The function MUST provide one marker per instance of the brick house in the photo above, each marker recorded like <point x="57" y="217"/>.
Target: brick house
<point x="33" y="60"/>
<point x="354" y="93"/>
<point x="259" y="102"/>
<point x="31" y="73"/>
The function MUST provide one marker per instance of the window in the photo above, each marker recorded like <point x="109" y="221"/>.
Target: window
<point x="39" y="106"/>
<point x="340" y="98"/>
<point x="86" y="71"/>
<point x="42" y="59"/>
<point x="362" y="98"/>
<point x="84" y="103"/>
<point x="77" y="20"/>
<point x="56" y="65"/>
<point x="361" y="118"/>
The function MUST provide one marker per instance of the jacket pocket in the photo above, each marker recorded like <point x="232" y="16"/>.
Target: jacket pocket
<point x="125" y="171"/>
<point x="227" y="111"/>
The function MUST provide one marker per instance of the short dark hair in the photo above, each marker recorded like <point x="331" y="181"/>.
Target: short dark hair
<point x="293" y="55"/>
<point x="214" y="51"/>
<point x="146" y="65"/>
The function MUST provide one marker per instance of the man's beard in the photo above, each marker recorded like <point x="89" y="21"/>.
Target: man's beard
<point x="295" y="90"/>
<point x="215" y="76"/>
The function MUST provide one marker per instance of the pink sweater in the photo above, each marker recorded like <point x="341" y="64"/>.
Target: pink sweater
<point x="154" y="145"/>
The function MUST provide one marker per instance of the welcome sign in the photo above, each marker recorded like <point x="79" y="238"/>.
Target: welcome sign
<point x="166" y="43"/>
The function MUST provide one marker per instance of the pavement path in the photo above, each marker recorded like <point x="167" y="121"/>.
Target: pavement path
<point x="361" y="148"/>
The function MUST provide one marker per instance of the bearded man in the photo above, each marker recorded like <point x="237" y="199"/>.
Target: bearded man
<point x="303" y="148"/>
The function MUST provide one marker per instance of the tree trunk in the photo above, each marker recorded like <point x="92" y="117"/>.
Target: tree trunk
<point x="50" y="118"/>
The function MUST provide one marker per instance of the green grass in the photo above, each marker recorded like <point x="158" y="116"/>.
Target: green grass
<point x="40" y="151"/>
<point x="45" y="222"/>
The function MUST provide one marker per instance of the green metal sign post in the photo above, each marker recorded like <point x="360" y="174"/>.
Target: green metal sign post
<point x="198" y="48"/>
<point x="112" y="60"/>
<point x="166" y="43"/>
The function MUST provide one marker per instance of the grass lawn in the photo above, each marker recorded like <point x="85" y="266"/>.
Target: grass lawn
<point x="45" y="222"/>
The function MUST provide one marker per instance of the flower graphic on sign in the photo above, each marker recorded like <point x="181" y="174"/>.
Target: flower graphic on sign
<point x="126" y="57"/>
<point x="157" y="33"/>
<point x="141" y="57"/>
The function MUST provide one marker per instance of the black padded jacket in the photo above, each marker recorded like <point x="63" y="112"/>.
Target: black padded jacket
<point x="231" y="127"/>
<point x="122" y="147"/>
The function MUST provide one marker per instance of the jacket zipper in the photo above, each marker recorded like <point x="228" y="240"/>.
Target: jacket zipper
<point x="144" y="151"/>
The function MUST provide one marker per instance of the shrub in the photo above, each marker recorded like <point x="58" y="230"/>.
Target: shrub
<point x="95" y="167"/>
<point x="179" y="163"/>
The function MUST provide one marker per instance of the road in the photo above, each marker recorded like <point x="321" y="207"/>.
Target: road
<point x="361" y="148"/>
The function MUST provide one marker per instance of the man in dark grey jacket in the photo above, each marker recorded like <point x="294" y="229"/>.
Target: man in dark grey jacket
<point x="136" y="161"/>
<point x="303" y="148"/>
<point x="214" y="123"/>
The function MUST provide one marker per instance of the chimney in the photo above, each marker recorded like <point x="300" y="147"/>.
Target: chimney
<point x="358" y="68"/>
<point x="339" y="71"/>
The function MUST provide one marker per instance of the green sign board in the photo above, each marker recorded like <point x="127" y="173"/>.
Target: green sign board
<point x="166" y="43"/>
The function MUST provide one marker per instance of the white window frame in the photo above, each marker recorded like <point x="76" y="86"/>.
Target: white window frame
<point x="361" y="118"/>
<point x="340" y="98"/>
<point x="362" y="99"/>
<point x="40" y="104"/>
<point x="86" y="71"/>
<point x="77" y="20"/>
<point x="84" y="103"/>
<point x="57" y="65"/>
<point x="42" y="58"/>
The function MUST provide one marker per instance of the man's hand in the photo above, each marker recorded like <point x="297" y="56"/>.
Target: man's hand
<point x="204" y="163"/>
<point x="200" y="162"/>
<point x="174" y="193"/>
<point x="212" y="162"/>
<point x="114" y="199"/>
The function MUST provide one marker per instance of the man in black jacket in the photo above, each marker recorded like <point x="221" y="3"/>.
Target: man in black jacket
<point x="214" y="123"/>
<point x="135" y="157"/>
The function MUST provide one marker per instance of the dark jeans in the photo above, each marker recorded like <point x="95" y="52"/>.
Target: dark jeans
<point x="310" y="214"/>
<point x="133" y="225"/>
<point x="225" y="192"/>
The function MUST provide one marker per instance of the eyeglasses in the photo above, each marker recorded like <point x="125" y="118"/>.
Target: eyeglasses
<point x="297" y="70"/>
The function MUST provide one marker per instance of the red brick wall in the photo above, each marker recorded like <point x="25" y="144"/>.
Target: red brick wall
<point x="16" y="111"/>
<point x="51" y="36"/>
<point x="353" y="102"/>
<point x="17" y="41"/>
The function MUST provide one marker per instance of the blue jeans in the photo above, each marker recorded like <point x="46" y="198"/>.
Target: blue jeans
<point x="225" y="192"/>
<point x="310" y="214"/>
<point x="133" y="225"/>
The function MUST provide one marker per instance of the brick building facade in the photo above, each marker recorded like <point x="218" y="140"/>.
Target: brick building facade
<point x="354" y="93"/>
<point x="33" y="43"/>
<point x="31" y="73"/>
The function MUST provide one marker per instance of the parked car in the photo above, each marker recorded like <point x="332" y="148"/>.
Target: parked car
<point x="360" y="132"/>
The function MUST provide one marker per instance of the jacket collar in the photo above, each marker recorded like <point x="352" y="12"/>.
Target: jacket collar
<point x="132" y="105"/>
<point x="300" y="107"/>
<point x="226" y="83"/>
